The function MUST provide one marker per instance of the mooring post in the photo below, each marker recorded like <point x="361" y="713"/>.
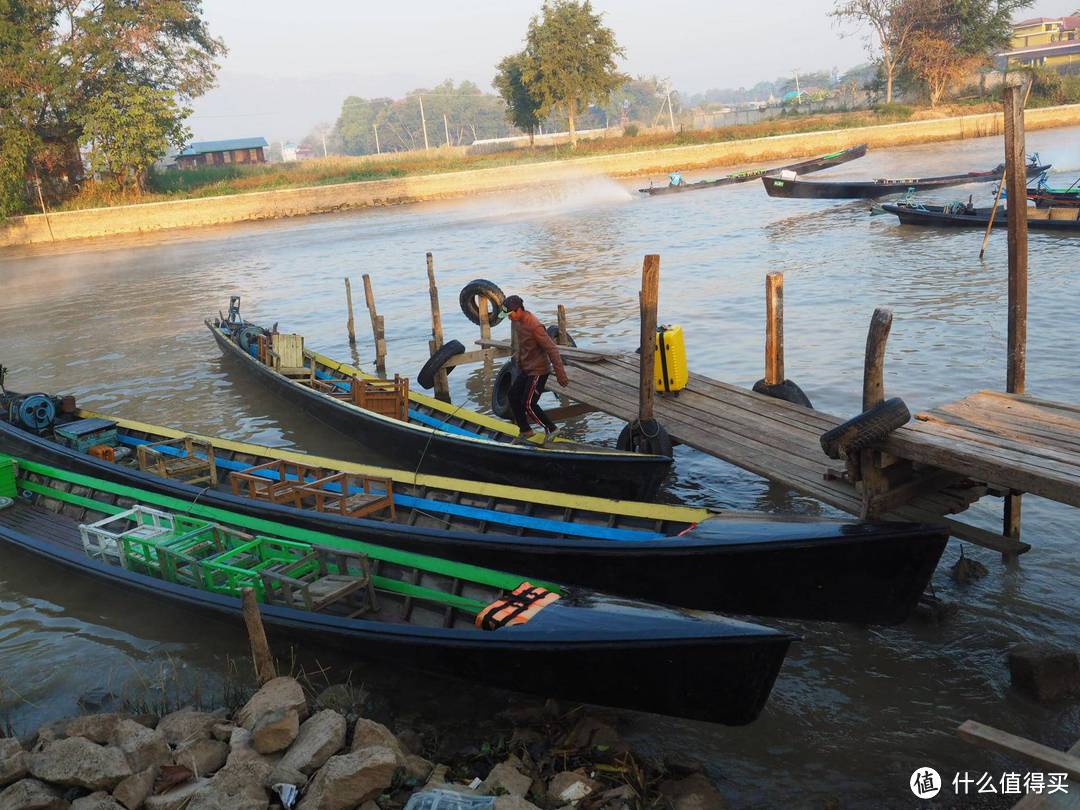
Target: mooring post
<point x="774" y="329"/>
<point x="376" y="325"/>
<point x="442" y="385"/>
<point x="1016" y="178"/>
<point x="874" y="480"/>
<point x="260" y="647"/>
<point x="563" y="339"/>
<point x="348" y="303"/>
<point x="484" y="315"/>
<point x="650" y="295"/>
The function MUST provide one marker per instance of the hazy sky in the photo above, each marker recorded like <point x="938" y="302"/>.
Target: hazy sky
<point x="290" y="64"/>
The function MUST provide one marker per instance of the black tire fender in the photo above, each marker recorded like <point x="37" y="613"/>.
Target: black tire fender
<point x="481" y="288"/>
<point x="451" y="348"/>
<point x="553" y="333"/>
<point x="648" y="437"/>
<point x="500" y="391"/>
<point x="787" y="391"/>
<point x="866" y="429"/>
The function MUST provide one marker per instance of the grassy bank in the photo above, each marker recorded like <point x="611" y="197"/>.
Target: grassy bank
<point x="213" y="181"/>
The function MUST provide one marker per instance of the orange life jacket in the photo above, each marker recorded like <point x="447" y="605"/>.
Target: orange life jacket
<point x="525" y="602"/>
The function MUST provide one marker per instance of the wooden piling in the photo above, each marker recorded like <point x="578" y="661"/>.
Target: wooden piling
<point x="874" y="363"/>
<point x="484" y="314"/>
<point x="260" y="647"/>
<point x="377" y="329"/>
<point x="348" y="303"/>
<point x="564" y="340"/>
<point x="442" y="385"/>
<point x="1016" y="178"/>
<point x="774" y="329"/>
<point x="650" y="295"/>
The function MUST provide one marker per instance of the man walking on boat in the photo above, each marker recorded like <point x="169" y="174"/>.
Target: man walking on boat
<point x="536" y="354"/>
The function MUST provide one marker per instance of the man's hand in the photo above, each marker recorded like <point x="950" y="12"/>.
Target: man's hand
<point x="563" y="380"/>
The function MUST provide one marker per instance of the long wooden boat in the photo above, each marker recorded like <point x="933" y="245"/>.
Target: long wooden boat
<point x="1045" y="197"/>
<point x="792" y="187"/>
<point x="423" y="612"/>
<point x="443" y="439"/>
<point x="803" y="167"/>
<point x="834" y="570"/>
<point x="1060" y="219"/>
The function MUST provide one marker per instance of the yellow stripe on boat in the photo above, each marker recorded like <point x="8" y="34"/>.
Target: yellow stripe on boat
<point x="639" y="509"/>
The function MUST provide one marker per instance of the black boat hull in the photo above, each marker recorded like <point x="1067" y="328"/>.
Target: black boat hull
<point x="804" y="167"/>
<point x="776" y="186"/>
<point x="720" y="679"/>
<point x="802" y="569"/>
<point x="935" y="215"/>
<point x="610" y="475"/>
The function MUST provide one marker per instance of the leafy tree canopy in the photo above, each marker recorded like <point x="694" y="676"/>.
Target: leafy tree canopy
<point x="522" y="107"/>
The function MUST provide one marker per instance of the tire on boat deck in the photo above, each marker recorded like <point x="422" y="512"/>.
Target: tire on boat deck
<point x="866" y="429"/>
<point x="553" y="333"/>
<point x="448" y="350"/>
<point x="648" y="437"/>
<point x="500" y="391"/>
<point x="481" y="288"/>
<point x="787" y="391"/>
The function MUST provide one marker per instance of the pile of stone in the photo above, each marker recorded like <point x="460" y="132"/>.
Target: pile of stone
<point x="278" y="751"/>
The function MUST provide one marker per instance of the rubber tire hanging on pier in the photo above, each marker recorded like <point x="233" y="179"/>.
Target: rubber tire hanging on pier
<point x="787" y="391"/>
<point x="866" y="429"/>
<point x="553" y="333"/>
<point x="645" y="436"/>
<point x="449" y="350"/>
<point x="481" y="288"/>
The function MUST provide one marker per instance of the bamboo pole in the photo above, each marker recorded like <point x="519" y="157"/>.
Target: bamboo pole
<point x="260" y="647"/>
<point x="650" y="294"/>
<point x="774" y="329"/>
<point x="442" y="385"/>
<point x="348" y="303"/>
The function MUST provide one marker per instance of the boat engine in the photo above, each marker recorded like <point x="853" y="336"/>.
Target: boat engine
<point x="34" y="412"/>
<point x="248" y="338"/>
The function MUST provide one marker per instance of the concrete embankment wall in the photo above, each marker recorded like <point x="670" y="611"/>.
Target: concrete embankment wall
<point x="98" y="222"/>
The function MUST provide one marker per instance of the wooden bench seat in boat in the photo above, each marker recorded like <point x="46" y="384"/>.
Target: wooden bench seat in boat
<point x="351" y="495"/>
<point x="275" y="481"/>
<point x="323" y="577"/>
<point x="194" y="465"/>
<point x="286" y="357"/>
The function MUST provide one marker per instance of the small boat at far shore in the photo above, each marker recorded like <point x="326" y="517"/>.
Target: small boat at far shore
<point x="777" y="185"/>
<point x="422" y="612"/>
<point x="803" y="167"/>
<point x="1060" y="219"/>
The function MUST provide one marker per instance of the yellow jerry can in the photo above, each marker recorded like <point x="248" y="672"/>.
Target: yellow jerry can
<point x="670" y="369"/>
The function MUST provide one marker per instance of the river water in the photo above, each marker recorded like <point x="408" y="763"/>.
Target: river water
<point x="855" y="711"/>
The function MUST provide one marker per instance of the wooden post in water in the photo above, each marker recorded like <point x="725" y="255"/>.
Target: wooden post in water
<point x="774" y="329"/>
<point x="348" y="303"/>
<point x="442" y="385"/>
<point x="650" y="295"/>
<point x="874" y="480"/>
<point x="260" y="647"/>
<point x="563" y="338"/>
<point x="377" y="331"/>
<point x="484" y="314"/>
<point x="1001" y="186"/>
<point x="1016" y="174"/>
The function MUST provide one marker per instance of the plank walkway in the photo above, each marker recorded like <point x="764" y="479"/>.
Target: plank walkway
<point x="1003" y="441"/>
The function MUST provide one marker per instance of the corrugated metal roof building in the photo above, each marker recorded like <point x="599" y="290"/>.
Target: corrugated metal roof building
<point x="222" y="153"/>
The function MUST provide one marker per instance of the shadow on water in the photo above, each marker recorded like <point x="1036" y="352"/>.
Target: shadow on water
<point x="855" y="709"/>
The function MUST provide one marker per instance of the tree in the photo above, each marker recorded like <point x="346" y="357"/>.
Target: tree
<point x="894" y="24"/>
<point x="980" y="27"/>
<point x="127" y="128"/>
<point x="570" y="59"/>
<point x="522" y="107"/>
<point x="67" y="55"/>
<point x="938" y="62"/>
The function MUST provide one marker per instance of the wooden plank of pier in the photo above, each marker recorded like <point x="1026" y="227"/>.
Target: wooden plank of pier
<point x="772" y="438"/>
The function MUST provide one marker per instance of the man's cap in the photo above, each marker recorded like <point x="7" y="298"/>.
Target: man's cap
<point x="512" y="302"/>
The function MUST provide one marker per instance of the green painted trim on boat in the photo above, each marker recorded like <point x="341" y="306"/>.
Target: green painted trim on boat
<point x="435" y="565"/>
<point x="70" y="497"/>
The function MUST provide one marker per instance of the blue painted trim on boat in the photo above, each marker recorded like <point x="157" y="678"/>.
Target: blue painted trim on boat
<point x="461" y="510"/>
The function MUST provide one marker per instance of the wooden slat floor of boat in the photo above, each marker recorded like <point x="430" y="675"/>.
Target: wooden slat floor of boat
<point x="42" y="524"/>
<point x="780" y="441"/>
